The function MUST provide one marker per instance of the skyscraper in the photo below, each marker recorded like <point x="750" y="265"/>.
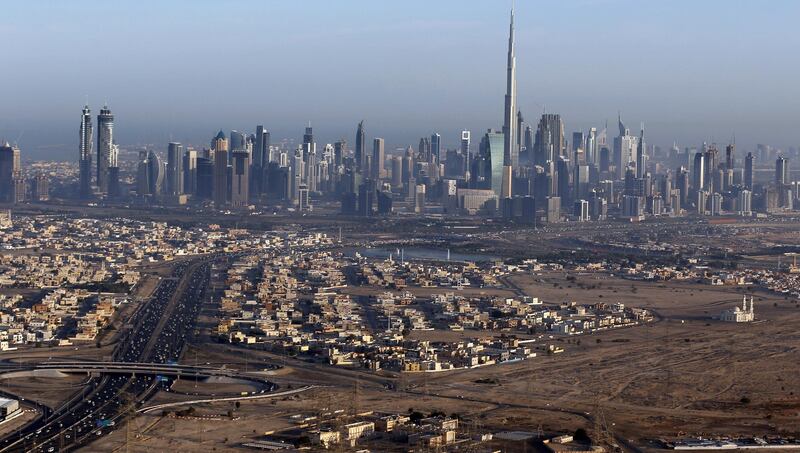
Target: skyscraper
<point x="105" y="145"/>
<point x="220" y="169"/>
<point x="641" y="156"/>
<point x="549" y="139"/>
<point x="361" y="146"/>
<point x="190" y="171"/>
<point x="436" y="148"/>
<point x="174" y="169"/>
<point x="260" y="159"/>
<point x="487" y="169"/>
<point x="626" y="148"/>
<point x="378" y="156"/>
<point x="520" y="142"/>
<point x="781" y="171"/>
<point x="465" y="151"/>
<point x="591" y="147"/>
<point x="10" y="172"/>
<point x="240" y="183"/>
<point x="155" y="173"/>
<point x="237" y="141"/>
<point x="730" y="156"/>
<point x="85" y="137"/>
<point x="510" y="151"/>
<point x="698" y="172"/>
<point x="749" y="161"/>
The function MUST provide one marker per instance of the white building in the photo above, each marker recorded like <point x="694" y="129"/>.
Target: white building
<point x="739" y="314"/>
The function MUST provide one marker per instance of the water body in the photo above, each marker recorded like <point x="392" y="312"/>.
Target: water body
<point x="422" y="254"/>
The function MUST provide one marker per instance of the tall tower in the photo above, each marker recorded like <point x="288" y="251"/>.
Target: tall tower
<point x="220" y="170"/>
<point x="510" y="150"/>
<point x="378" y="157"/>
<point x="749" y="162"/>
<point x="105" y="145"/>
<point x="361" y="146"/>
<point x="85" y="153"/>
<point x="174" y="169"/>
<point x="465" y="151"/>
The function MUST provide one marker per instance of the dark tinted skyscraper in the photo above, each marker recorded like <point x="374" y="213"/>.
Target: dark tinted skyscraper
<point x="378" y="157"/>
<point x="9" y="172"/>
<point x="730" y="156"/>
<point x="105" y="147"/>
<point x="549" y="139"/>
<point x="361" y="146"/>
<point x="748" y="171"/>
<point x="436" y="148"/>
<point x="85" y="141"/>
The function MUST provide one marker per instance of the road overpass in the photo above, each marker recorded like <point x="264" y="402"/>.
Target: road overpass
<point x="137" y="368"/>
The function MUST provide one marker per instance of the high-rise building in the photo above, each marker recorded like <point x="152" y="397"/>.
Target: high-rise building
<point x="641" y="156"/>
<point x="553" y="209"/>
<point x="156" y="173"/>
<point x="190" y="171"/>
<point x="205" y="178"/>
<point x="237" y="141"/>
<point x="361" y="146"/>
<point x="510" y="150"/>
<point x="174" y="169"/>
<point x="549" y="143"/>
<point x="260" y="159"/>
<point x="591" y="147"/>
<point x="730" y="156"/>
<point x="698" y="172"/>
<point x="143" y="175"/>
<point x="105" y="147"/>
<point x="397" y="171"/>
<point x="465" y="151"/>
<point x="744" y="203"/>
<point x="782" y="171"/>
<point x="240" y="183"/>
<point x="528" y="145"/>
<point x="436" y="148"/>
<point x="749" y="162"/>
<point x="85" y="142"/>
<point x="487" y="168"/>
<point x="339" y="150"/>
<point x="220" y="169"/>
<point x="10" y="173"/>
<point x="378" y="157"/>
<point x="581" y="210"/>
<point x="626" y="148"/>
<point x="40" y="188"/>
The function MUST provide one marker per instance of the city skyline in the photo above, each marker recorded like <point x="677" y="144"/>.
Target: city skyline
<point x="702" y="97"/>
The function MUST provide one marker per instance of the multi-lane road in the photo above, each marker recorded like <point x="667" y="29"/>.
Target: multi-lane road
<point x="160" y="329"/>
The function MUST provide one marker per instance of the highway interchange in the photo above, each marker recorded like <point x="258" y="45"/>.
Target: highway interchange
<point x="159" y="333"/>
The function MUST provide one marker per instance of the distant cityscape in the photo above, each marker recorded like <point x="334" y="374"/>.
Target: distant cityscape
<point x="528" y="290"/>
<point x="524" y="173"/>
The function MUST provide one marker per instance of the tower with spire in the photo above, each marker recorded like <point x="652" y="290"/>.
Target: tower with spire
<point x="510" y="149"/>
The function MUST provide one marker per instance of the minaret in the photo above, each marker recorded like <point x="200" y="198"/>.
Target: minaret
<point x="510" y="151"/>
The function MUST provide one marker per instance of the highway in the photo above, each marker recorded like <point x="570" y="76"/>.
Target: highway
<point x="161" y="327"/>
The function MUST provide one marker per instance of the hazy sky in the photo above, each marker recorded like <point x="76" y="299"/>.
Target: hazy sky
<point x="692" y="70"/>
